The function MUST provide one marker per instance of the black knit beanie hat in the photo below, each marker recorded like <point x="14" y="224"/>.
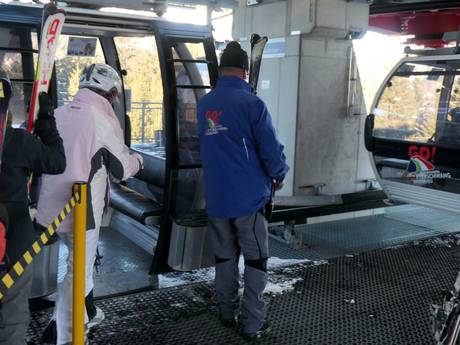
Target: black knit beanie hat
<point x="234" y="56"/>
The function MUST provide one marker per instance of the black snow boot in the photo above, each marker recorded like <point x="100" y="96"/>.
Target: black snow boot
<point x="49" y="335"/>
<point x="229" y="323"/>
<point x="261" y="333"/>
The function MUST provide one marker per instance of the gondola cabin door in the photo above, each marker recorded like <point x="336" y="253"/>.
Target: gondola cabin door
<point x="189" y="65"/>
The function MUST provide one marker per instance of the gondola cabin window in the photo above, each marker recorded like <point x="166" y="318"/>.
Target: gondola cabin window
<point x="421" y="103"/>
<point x="74" y="53"/>
<point x="143" y="93"/>
<point x="408" y="107"/>
<point x="18" y="57"/>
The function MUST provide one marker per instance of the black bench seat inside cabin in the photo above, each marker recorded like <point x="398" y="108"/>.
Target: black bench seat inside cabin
<point x="134" y="204"/>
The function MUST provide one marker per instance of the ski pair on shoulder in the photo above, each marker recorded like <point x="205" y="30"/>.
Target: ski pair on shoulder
<point x="257" y="50"/>
<point x="258" y="44"/>
<point x="52" y="24"/>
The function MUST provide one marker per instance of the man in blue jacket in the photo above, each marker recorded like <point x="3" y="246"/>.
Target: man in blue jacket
<point x="242" y="160"/>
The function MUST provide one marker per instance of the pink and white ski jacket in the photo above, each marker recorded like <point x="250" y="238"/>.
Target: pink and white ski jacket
<point x="94" y="148"/>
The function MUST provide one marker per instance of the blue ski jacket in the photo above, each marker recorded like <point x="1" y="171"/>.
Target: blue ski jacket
<point x="240" y="152"/>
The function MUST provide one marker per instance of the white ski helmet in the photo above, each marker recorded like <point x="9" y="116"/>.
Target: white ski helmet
<point x="100" y="76"/>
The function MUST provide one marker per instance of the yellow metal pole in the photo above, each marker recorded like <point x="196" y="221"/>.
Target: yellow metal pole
<point x="79" y="248"/>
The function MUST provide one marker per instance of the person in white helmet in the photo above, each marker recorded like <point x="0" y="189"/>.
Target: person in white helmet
<point x="95" y="149"/>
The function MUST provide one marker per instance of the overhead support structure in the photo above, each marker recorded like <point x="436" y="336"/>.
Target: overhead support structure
<point x="157" y="6"/>
<point x="428" y="27"/>
<point x="388" y="6"/>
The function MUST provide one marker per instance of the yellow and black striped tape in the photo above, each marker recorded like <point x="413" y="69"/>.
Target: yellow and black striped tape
<point x="18" y="268"/>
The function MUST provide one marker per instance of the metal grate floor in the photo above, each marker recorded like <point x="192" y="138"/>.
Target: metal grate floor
<point x="378" y="297"/>
<point x="399" y="224"/>
<point x="125" y="266"/>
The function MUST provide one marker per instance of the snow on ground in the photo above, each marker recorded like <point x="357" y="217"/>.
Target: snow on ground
<point x="275" y="262"/>
<point x="279" y="287"/>
<point x="443" y="241"/>
<point x="181" y="278"/>
<point x="207" y="275"/>
<point x="439" y="242"/>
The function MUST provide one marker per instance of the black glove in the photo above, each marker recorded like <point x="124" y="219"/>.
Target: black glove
<point x="45" y="124"/>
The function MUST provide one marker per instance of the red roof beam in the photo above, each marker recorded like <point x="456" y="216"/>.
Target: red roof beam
<point x="417" y="23"/>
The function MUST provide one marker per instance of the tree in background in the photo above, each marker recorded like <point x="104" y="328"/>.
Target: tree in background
<point x="139" y="57"/>
<point x="408" y="108"/>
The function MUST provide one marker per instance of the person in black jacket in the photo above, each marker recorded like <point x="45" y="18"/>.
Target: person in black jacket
<point x="24" y="154"/>
<point x="3" y="229"/>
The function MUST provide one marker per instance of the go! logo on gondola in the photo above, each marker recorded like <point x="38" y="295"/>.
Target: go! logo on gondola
<point x="421" y="169"/>
<point x="426" y="152"/>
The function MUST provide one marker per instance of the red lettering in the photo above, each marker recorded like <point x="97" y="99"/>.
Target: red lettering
<point x="425" y="152"/>
<point x="54" y="26"/>
<point x="213" y="115"/>
<point x="413" y="150"/>
<point x="50" y="41"/>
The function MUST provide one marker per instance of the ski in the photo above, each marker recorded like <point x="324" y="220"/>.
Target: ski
<point x="52" y="24"/>
<point x="257" y="50"/>
<point x="445" y="317"/>
<point x="5" y="95"/>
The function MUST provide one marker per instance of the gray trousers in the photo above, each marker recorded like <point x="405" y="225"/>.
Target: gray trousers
<point x="248" y="235"/>
<point x="14" y="310"/>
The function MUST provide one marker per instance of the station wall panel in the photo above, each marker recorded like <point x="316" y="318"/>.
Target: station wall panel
<point x="306" y="89"/>
<point x="302" y="15"/>
<point x="326" y="149"/>
<point x="331" y="14"/>
<point x="287" y="115"/>
<point x="265" y="14"/>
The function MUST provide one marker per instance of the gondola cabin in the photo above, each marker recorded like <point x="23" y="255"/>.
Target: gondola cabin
<point x="413" y="133"/>
<point x="166" y="68"/>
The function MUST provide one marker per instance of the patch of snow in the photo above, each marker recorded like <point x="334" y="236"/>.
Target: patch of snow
<point x="397" y="246"/>
<point x="439" y="242"/>
<point x="448" y="241"/>
<point x="279" y="287"/>
<point x="181" y="278"/>
<point x="274" y="262"/>
<point x="207" y="274"/>
<point x="179" y="305"/>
